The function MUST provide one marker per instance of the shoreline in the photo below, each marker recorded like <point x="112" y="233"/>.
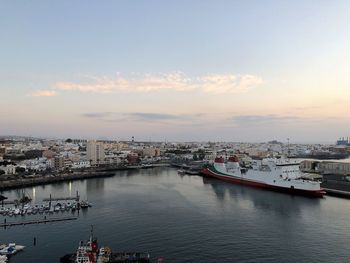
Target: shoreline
<point x="65" y="177"/>
<point x="26" y="182"/>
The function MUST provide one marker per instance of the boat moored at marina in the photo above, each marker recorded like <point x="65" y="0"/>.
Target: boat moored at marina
<point x="10" y="249"/>
<point x="3" y="259"/>
<point x="274" y="174"/>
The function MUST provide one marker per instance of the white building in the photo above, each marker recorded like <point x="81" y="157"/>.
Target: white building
<point x="95" y="152"/>
<point x="80" y="164"/>
<point x="8" y="169"/>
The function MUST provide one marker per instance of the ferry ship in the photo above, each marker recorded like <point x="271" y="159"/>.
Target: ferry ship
<point x="274" y="174"/>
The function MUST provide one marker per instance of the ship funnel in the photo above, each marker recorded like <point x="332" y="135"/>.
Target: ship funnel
<point x="233" y="159"/>
<point x="219" y="159"/>
<point x="233" y="162"/>
<point x="219" y="164"/>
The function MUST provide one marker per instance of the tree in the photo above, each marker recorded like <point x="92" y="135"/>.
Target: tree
<point x="69" y="140"/>
<point x="20" y="170"/>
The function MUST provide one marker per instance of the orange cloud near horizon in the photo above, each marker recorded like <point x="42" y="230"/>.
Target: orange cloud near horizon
<point x="177" y="81"/>
<point x="44" y="93"/>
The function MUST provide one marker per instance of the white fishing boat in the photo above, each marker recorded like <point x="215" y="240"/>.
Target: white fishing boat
<point x="11" y="249"/>
<point x="57" y="208"/>
<point x="16" y="211"/>
<point x="85" y="204"/>
<point x="3" y="259"/>
<point x="2" y="210"/>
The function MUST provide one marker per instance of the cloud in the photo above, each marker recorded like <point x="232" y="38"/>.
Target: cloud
<point x="152" y="116"/>
<point x="177" y="81"/>
<point x="230" y="83"/>
<point x="44" y="93"/>
<point x="243" y="120"/>
<point x="97" y="114"/>
<point x="142" y="116"/>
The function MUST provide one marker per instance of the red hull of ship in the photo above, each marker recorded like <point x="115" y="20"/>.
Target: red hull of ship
<point x="318" y="193"/>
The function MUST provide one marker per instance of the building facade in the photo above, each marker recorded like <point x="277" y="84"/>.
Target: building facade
<point x="95" y="152"/>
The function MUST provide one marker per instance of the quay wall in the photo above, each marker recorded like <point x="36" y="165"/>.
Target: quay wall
<point x="25" y="182"/>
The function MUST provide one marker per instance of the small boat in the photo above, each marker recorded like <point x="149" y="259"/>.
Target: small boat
<point x="193" y="171"/>
<point x="181" y="171"/>
<point x="57" y="208"/>
<point x="17" y="211"/>
<point x="85" y="204"/>
<point x="11" y="249"/>
<point x="2" y="210"/>
<point x="3" y="259"/>
<point x="63" y="207"/>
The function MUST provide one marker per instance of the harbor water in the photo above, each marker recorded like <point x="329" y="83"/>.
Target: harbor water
<point x="186" y="219"/>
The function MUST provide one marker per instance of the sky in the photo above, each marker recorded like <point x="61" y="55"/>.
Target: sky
<point x="248" y="71"/>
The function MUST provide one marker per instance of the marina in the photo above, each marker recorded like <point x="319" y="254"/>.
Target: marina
<point x="45" y="208"/>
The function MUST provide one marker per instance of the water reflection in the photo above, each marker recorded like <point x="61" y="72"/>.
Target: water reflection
<point x="281" y="203"/>
<point x="95" y="185"/>
<point x="188" y="219"/>
<point x="34" y="195"/>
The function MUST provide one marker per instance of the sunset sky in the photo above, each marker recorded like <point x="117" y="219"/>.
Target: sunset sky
<point x="176" y="70"/>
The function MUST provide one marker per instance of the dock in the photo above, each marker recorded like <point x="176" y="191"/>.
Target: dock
<point x="61" y="199"/>
<point x="38" y="221"/>
<point x="9" y="202"/>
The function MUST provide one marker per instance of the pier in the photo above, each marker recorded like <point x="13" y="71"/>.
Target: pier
<point x="38" y="221"/>
<point x="62" y="198"/>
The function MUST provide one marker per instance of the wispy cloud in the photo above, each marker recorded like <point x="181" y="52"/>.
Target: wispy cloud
<point x="97" y="114"/>
<point x="142" y="116"/>
<point x="229" y="83"/>
<point x="43" y="93"/>
<point x="242" y="120"/>
<point x="152" y="116"/>
<point x="177" y="81"/>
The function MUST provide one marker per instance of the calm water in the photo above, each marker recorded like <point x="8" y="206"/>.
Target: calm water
<point x="189" y="219"/>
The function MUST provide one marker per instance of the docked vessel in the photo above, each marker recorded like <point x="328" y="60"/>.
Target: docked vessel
<point x="89" y="252"/>
<point x="273" y="174"/>
<point x="3" y="259"/>
<point x="10" y="249"/>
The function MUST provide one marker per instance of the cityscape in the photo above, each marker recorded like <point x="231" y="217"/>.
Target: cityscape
<point x="186" y="131"/>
